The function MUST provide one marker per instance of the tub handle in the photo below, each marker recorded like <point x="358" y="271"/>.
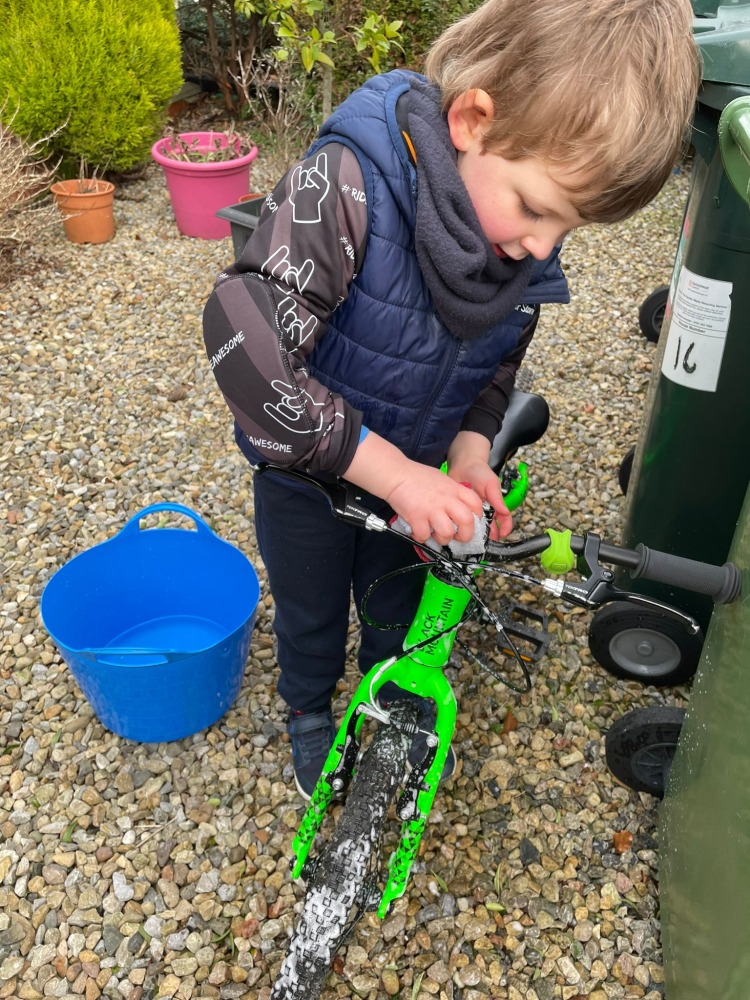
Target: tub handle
<point x="94" y="654"/>
<point x="133" y="525"/>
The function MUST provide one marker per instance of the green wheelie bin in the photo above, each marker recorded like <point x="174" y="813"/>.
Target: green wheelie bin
<point x="692" y="461"/>
<point x="704" y="842"/>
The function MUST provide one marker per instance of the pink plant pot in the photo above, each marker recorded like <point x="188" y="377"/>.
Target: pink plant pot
<point x="199" y="190"/>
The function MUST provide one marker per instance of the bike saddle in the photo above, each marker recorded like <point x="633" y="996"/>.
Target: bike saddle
<point x="525" y="421"/>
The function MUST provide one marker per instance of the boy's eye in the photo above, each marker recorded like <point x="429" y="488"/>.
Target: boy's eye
<point x="529" y="211"/>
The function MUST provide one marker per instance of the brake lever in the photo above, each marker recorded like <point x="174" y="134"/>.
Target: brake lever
<point x="598" y="587"/>
<point x="340" y="494"/>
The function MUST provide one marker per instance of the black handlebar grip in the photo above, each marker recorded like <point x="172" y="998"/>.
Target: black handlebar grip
<point x="723" y="583"/>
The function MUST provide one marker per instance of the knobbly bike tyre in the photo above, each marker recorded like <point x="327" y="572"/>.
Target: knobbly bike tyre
<point x="343" y="871"/>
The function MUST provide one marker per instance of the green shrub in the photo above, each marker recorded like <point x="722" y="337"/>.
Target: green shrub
<point x="424" y="21"/>
<point x="103" y="69"/>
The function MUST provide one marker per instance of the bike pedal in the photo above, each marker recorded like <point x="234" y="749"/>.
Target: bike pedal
<point x="529" y="628"/>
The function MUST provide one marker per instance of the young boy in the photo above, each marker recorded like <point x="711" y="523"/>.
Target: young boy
<point x="373" y="326"/>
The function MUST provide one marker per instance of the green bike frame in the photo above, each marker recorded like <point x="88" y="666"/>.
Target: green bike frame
<point x="418" y="672"/>
<point x="515" y="484"/>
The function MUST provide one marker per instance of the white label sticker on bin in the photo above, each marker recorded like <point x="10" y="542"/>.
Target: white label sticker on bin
<point x="697" y="331"/>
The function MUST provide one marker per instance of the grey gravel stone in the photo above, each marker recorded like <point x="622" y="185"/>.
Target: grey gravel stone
<point x="120" y="887"/>
<point x="111" y="939"/>
<point x="178" y="941"/>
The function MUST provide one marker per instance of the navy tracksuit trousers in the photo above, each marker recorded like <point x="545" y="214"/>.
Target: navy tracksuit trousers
<point x="315" y="565"/>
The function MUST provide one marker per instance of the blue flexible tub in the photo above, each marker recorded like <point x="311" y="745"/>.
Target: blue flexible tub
<point x="155" y="626"/>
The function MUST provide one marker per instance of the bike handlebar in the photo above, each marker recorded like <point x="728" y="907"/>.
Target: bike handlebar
<point x="722" y="583"/>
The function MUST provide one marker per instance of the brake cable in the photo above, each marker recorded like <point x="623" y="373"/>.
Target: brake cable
<point x="478" y="611"/>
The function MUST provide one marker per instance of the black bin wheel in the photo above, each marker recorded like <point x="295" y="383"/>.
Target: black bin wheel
<point x="640" y="747"/>
<point x="651" y="313"/>
<point x="626" y="470"/>
<point x="642" y="645"/>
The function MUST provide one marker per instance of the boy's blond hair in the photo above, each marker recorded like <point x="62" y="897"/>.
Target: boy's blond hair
<point x="604" y="85"/>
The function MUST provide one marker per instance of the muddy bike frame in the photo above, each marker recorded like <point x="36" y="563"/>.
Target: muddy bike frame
<point x="419" y="672"/>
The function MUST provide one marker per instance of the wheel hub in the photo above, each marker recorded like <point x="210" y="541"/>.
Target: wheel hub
<point x="644" y="652"/>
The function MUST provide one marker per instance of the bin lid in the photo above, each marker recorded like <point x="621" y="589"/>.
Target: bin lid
<point x="734" y="143"/>
<point x="722" y="33"/>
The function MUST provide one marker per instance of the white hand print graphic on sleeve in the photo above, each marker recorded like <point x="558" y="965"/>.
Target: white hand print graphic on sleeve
<point x="292" y="408"/>
<point x="291" y="324"/>
<point x="310" y="185"/>
<point x="281" y="267"/>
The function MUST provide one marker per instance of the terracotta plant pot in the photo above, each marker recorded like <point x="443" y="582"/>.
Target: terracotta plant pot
<point x="87" y="209"/>
<point x="199" y="190"/>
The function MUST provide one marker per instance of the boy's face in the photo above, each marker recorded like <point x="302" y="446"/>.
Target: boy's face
<point x="522" y="207"/>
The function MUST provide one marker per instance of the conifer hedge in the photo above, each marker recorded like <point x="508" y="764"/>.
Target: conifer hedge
<point x="105" y="70"/>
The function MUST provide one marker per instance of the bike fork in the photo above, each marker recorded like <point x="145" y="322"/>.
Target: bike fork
<point x="414" y="804"/>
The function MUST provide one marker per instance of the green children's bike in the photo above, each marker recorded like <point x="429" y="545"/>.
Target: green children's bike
<point x="346" y="876"/>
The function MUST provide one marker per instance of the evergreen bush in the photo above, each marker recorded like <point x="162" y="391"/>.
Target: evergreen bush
<point x="103" y="69"/>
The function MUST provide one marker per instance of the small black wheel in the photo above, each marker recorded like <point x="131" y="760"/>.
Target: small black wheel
<point x="642" y="645"/>
<point x="651" y="313"/>
<point x="640" y="747"/>
<point x="626" y="470"/>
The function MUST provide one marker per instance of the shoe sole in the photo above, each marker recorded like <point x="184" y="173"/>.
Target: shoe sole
<point x="301" y="790"/>
<point x="443" y="777"/>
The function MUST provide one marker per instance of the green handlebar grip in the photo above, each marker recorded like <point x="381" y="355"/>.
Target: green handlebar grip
<point x="517" y="493"/>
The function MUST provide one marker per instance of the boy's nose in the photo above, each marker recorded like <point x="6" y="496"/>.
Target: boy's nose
<point x="538" y="246"/>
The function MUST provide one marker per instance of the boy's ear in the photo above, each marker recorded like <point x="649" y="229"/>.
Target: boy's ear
<point x="468" y="118"/>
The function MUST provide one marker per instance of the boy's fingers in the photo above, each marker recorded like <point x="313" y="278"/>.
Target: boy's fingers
<point x="464" y="522"/>
<point x="470" y="498"/>
<point x="420" y="528"/>
<point x="465" y="532"/>
<point x="445" y="528"/>
<point x="504" y="522"/>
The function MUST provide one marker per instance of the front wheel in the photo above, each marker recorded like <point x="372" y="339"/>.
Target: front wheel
<point x="344" y="879"/>
<point x="640" y="747"/>
<point x="641" y="645"/>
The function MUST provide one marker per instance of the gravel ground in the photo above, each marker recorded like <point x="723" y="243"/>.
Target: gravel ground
<point x="139" y="870"/>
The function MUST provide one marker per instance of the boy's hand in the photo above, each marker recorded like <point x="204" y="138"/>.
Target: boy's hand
<point x="432" y="503"/>
<point x="468" y="463"/>
<point x="435" y="505"/>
